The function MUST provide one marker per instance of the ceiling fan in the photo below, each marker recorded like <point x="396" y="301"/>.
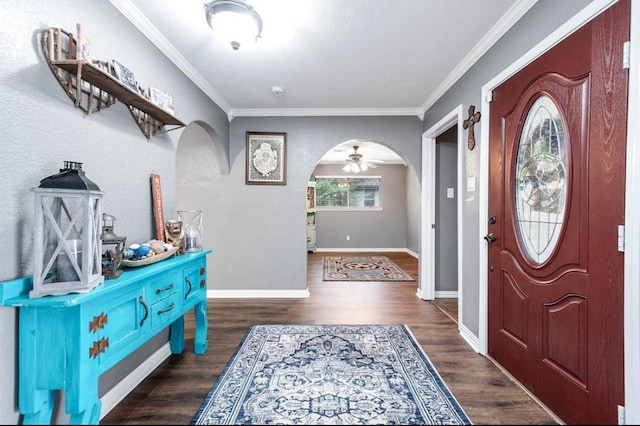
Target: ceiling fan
<point x="356" y="164"/>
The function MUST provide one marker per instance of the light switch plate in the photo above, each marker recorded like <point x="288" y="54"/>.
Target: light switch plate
<point x="471" y="184"/>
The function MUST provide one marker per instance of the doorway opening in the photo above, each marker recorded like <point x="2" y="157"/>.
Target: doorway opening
<point x="438" y="253"/>
<point x="365" y="210"/>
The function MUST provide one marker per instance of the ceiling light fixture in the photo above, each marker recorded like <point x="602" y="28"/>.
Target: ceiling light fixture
<point x="356" y="164"/>
<point x="234" y="21"/>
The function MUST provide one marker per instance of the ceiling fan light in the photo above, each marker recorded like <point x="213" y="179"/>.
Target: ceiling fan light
<point x="363" y="166"/>
<point x="347" y="167"/>
<point x="233" y="21"/>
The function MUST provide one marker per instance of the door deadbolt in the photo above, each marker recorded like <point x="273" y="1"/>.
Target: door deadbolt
<point x="492" y="220"/>
<point x="490" y="238"/>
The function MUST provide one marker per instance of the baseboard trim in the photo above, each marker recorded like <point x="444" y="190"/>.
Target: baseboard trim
<point x="468" y="336"/>
<point x="447" y="294"/>
<point x="359" y="250"/>
<point x="133" y="379"/>
<point x="260" y="294"/>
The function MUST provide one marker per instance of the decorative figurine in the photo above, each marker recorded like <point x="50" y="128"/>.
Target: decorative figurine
<point x="175" y="235"/>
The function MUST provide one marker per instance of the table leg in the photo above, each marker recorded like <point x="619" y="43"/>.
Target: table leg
<point x="43" y="402"/>
<point x="177" y="336"/>
<point x="90" y="416"/>
<point x="200" y="313"/>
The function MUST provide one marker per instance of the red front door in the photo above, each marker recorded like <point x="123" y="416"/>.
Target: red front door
<point x="556" y="199"/>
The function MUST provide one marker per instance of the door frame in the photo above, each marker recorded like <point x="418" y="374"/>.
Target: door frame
<point x="631" y="412"/>
<point x="427" y="287"/>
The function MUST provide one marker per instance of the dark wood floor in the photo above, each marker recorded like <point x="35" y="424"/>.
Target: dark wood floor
<point x="175" y="390"/>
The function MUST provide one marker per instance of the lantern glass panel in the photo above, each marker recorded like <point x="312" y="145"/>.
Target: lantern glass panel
<point x="192" y="225"/>
<point x="63" y="239"/>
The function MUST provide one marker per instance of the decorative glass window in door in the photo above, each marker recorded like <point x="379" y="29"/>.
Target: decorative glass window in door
<point x="541" y="180"/>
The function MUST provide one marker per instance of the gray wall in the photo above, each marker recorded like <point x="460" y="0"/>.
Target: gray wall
<point x="541" y="20"/>
<point x="375" y="230"/>
<point x="41" y="129"/>
<point x="414" y="210"/>
<point x="265" y="225"/>
<point x="446" y="219"/>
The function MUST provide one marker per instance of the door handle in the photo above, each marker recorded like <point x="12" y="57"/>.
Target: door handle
<point x="490" y="237"/>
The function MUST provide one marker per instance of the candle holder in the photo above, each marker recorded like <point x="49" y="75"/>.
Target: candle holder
<point x="192" y="227"/>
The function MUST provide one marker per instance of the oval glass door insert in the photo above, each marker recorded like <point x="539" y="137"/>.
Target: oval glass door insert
<point x="541" y="180"/>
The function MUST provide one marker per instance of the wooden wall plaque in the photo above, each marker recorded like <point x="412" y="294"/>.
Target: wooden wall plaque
<point x="158" y="213"/>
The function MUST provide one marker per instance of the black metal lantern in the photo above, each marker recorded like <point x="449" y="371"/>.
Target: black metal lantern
<point x="113" y="247"/>
<point x="67" y="245"/>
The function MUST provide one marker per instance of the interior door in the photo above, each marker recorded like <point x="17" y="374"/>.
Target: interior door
<point x="556" y="199"/>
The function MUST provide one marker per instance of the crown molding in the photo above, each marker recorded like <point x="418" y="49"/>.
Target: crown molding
<point x="513" y="15"/>
<point x="307" y="112"/>
<point x="133" y="14"/>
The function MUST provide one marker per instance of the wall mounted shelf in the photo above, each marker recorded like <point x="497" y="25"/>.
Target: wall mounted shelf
<point x="92" y="87"/>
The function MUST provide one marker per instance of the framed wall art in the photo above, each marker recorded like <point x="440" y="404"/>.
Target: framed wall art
<point x="266" y="158"/>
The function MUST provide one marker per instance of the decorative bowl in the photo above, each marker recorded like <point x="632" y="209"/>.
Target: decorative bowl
<point x="149" y="260"/>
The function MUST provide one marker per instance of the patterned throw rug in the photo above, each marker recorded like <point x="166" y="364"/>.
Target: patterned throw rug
<point x="330" y="375"/>
<point x="365" y="268"/>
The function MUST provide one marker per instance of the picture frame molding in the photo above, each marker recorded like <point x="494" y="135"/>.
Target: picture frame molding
<point x="270" y="144"/>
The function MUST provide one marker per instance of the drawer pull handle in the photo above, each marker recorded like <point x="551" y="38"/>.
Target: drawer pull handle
<point x="146" y="310"/>
<point x="163" y="311"/>
<point x="160" y="290"/>
<point x="190" y="287"/>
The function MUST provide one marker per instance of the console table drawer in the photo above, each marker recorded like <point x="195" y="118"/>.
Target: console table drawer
<point x="164" y="286"/>
<point x="164" y="311"/>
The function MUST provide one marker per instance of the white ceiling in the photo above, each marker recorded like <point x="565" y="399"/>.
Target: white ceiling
<point x="331" y="57"/>
<point x="369" y="150"/>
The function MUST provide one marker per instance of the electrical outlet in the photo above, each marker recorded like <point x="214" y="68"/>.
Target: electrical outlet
<point x="348" y="237"/>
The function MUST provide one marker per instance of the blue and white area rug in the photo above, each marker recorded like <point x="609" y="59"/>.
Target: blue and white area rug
<point x="330" y="375"/>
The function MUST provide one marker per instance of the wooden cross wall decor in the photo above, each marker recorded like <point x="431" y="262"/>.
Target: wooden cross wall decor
<point x="468" y="124"/>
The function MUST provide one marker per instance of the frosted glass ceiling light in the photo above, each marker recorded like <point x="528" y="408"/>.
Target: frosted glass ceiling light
<point x="234" y="21"/>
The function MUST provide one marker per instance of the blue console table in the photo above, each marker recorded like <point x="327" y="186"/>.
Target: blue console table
<point x="67" y="342"/>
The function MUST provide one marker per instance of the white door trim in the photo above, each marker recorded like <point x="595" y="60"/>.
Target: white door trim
<point x="427" y="289"/>
<point x="632" y="231"/>
<point x="631" y="412"/>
